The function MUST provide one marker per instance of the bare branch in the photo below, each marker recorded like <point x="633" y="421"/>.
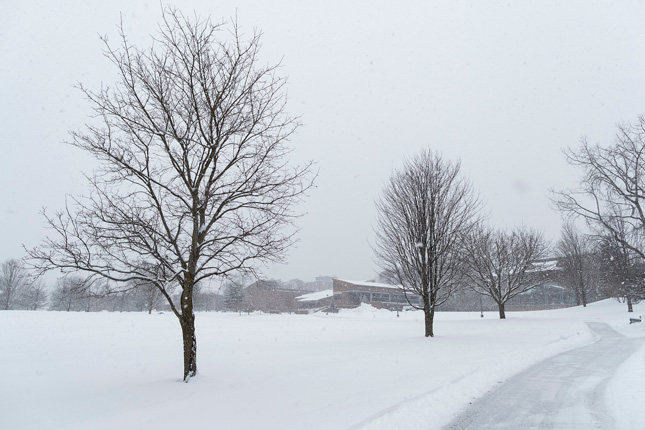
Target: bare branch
<point x="612" y="187"/>
<point x="194" y="178"/>
<point x="424" y="212"/>
<point x="501" y="263"/>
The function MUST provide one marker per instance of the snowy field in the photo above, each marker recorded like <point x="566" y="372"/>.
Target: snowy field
<point x="360" y="369"/>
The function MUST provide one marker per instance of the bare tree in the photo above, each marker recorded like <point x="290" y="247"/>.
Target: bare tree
<point x="577" y="262"/>
<point x="424" y="212"/>
<point x="234" y="295"/>
<point x="70" y="294"/>
<point x="612" y="189"/>
<point x="205" y="299"/>
<point x="623" y="269"/>
<point x="122" y="300"/>
<point x="194" y="179"/>
<point x="149" y="296"/>
<point x="36" y="296"/>
<point x="501" y="263"/>
<point x="14" y="284"/>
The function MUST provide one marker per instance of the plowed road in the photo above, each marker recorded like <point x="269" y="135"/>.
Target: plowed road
<point x="564" y="392"/>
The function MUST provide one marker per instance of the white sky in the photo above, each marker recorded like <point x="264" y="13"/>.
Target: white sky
<point x="503" y="86"/>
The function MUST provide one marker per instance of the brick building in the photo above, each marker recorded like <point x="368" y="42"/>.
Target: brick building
<point x="350" y="294"/>
<point x="313" y="302"/>
<point x="269" y="296"/>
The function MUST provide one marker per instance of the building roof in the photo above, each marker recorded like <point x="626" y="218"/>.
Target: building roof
<point x="318" y="295"/>
<point x="370" y="284"/>
<point x="545" y="265"/>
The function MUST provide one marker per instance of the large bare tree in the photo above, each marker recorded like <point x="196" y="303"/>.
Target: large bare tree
<point x="194" y="179"/>
<point x="501" y="263"/>
<point x="611" y="193"/>
<point x="424" y="212"/>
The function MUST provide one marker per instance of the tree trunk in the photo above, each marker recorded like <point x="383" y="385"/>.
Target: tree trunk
<point x="577" y="293"/>
<point x="428" y="310"/>
<point x="583" y="295"/>
<point x="190" y="345"/>
<point x="502" y="312"/>
<point x="630" y="308"/>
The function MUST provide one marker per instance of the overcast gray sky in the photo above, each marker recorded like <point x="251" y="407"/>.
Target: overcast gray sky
<point x="502" y="86"/>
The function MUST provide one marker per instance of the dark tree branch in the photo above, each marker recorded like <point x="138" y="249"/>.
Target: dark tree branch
<point x="424" y="213"/>
<point x="194" y="178"/>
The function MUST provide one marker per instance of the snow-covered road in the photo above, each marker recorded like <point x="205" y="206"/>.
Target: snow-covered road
<point x="567" y="391"/>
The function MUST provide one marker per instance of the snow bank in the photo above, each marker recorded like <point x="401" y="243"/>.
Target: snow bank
<point x="365" y="310"/>
<point x="625" y="393"/>
<point x="362" y="369"/>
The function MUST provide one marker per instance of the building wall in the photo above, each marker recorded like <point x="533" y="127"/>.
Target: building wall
<point x="349" y="294"/>
<point x="267" y="297"/>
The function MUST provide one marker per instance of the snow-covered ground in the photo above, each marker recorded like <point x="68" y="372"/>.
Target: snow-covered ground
<point x="360" y="369"/>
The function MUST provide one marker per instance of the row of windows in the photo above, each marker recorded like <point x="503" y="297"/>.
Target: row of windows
<point x="385" y="297"/>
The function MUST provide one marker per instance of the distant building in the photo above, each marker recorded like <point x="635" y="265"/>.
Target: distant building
<point x="346" y="294"/>
<point x="548" y="295"/>
<point x="270" y="296"/>
<point x="542" y="297"/>
<point x="318" y="301"/>
<point x="318" y="284"/>
<point x="298" y="296"/>
<point x="551" y="294"/>
<point x="350" y="294"/>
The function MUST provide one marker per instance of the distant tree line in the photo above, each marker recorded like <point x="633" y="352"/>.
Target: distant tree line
<point x="21" y="290"/>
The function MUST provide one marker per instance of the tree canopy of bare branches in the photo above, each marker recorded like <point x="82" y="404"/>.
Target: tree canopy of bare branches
<point x="37" y="296"/>
<point x="149" y="297"/>
<point x="194" y="179"/>
<point x="501" y="262"/>
<point x="424" y="212"/>
<point x="234" y="295"/>
<point x="622" y="269"/>
<point x="71" y="293"/>
<point x="612" y="188"/>
<point x="578" y="261"/>
<point x="15" y="283"/>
